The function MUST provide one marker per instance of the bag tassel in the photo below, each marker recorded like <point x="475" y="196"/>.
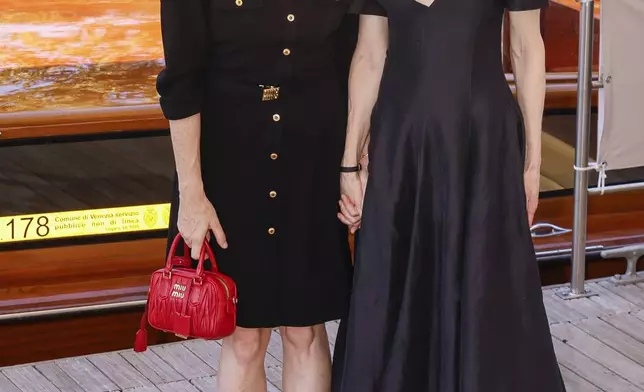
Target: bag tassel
<point x="141" y="338"/>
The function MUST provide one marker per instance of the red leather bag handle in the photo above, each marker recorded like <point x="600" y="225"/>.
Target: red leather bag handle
<point x="205" y="250"/>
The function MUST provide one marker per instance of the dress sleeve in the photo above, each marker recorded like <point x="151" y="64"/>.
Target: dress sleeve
<point x="525" y="5"/>
<point x="368" y="7"/>
<point x="181" y="83"/>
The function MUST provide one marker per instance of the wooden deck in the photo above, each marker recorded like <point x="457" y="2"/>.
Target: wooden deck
<point x="599" y="342"/>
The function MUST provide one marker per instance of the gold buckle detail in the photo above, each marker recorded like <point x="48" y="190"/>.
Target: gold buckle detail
<point x="270" y="93"/>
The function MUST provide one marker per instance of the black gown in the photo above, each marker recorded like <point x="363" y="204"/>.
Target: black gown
<point x="270" y="161"/>
<point x="447" y="294"/>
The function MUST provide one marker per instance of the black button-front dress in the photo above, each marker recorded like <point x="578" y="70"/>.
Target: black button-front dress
<point x="446" y="295"/>
<point x="269" y="78"/>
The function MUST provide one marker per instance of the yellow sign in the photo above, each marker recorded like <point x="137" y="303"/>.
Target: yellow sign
<point x="84" y="223"/>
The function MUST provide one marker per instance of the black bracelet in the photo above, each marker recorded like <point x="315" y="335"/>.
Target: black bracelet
<point x="350" y="169"/>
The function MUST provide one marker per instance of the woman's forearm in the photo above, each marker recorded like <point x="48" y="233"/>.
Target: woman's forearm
<point x="364" y="83"/>
<point x="528" y="63"/>
<point x="186" y="140"/>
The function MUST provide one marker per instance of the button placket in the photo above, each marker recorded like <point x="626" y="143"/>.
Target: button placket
<point x="277" y="129"/>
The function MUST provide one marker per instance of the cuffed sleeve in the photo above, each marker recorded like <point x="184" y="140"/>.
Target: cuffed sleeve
<point x="181" y="83"/>
<point x="526" y="5"/>
<point x="367" y="7"/>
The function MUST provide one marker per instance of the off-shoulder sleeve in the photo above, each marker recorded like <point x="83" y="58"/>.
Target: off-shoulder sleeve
<point x="526" y="5"/>
<point x="181" y="83"/>
<point x="367" y="7"/>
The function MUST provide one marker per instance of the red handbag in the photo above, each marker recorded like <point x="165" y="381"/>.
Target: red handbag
<point x="189" y="302"/>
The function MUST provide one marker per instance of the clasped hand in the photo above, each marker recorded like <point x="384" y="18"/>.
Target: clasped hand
<point x="352" y="190"/>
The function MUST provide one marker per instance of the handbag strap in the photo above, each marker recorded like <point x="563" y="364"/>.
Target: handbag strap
<point x="205" y="250"/>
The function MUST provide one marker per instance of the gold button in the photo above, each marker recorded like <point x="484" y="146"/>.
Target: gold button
<point x="271" y="231"/>
<point x="273" y="156"/>
<point x="239" y="3"/>
<point x="287" y="52"/>
<point x="272" y="194"/>
<point x="290" y="17"/>
<point x="276" y="117"/>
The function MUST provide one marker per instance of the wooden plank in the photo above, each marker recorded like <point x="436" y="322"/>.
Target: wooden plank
<point x="590" y="370"/>
<point x="275" y="359"/>
<point x="209" y="384"/>
<point x="628" y="324"/>
<point x="183" y="360"/>
<point x="610" y="300"/>
<point x="639" y="315"/>
<point x="57" y="377"/>
<point x="575" y="383"/>
<point x="152" y="367"/>
<point x="179" y="386"/>
<point x="332" y="331"/>
<point x="275" y="346"/>
<point x="583" y="306"/>
<point x="558" y="311"/>
<point x="600" y="352"/>
<point x="28" y="379"/>
<point x="205" y="384"/>
<point x="272" y="388"/>
<point x="117" y="369"/>
<point x="207" y="350"/>
<point x="613" y="337"/>
<point x="332" y="334"/>
<point x="143" y="389"/>
<point x="6" y="385"/>
<point x="629" y="292"/>
<point x="274" y="374"/>
<point x="85" y="374"/>
<point x="274" y="367"/>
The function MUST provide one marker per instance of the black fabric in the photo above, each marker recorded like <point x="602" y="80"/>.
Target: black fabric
<point x="447" y="295"/>
<point x="526" y="5"/>
<point x="215" y="62"/>
<point x="367" y="7"/>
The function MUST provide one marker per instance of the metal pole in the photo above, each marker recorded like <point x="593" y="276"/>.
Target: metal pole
<point x="584" y="90"/>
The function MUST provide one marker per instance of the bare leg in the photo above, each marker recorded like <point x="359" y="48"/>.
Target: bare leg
<point x="307" y="359"/>
<point x="241" y="366"/>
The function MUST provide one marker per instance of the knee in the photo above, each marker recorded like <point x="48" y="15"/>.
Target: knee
<point x="248" y="345"/>
<point x="302" y="338"/>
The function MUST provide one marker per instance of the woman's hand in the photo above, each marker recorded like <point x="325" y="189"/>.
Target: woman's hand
<point x="531" y="178"/>
<point x="352" y="189"/>
<point x="351" y="200"/>
<point x="197" y="217"/>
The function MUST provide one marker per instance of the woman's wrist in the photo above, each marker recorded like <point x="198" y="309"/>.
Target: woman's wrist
<point x="191" y="186"/>
<point x="532" y="164"/>
<point x="350" y="160"/>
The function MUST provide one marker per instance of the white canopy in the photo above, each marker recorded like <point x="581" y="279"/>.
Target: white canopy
<point x="621" y="100"/>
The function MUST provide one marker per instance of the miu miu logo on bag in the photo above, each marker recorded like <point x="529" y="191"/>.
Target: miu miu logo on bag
<point x="178" y="291"/>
